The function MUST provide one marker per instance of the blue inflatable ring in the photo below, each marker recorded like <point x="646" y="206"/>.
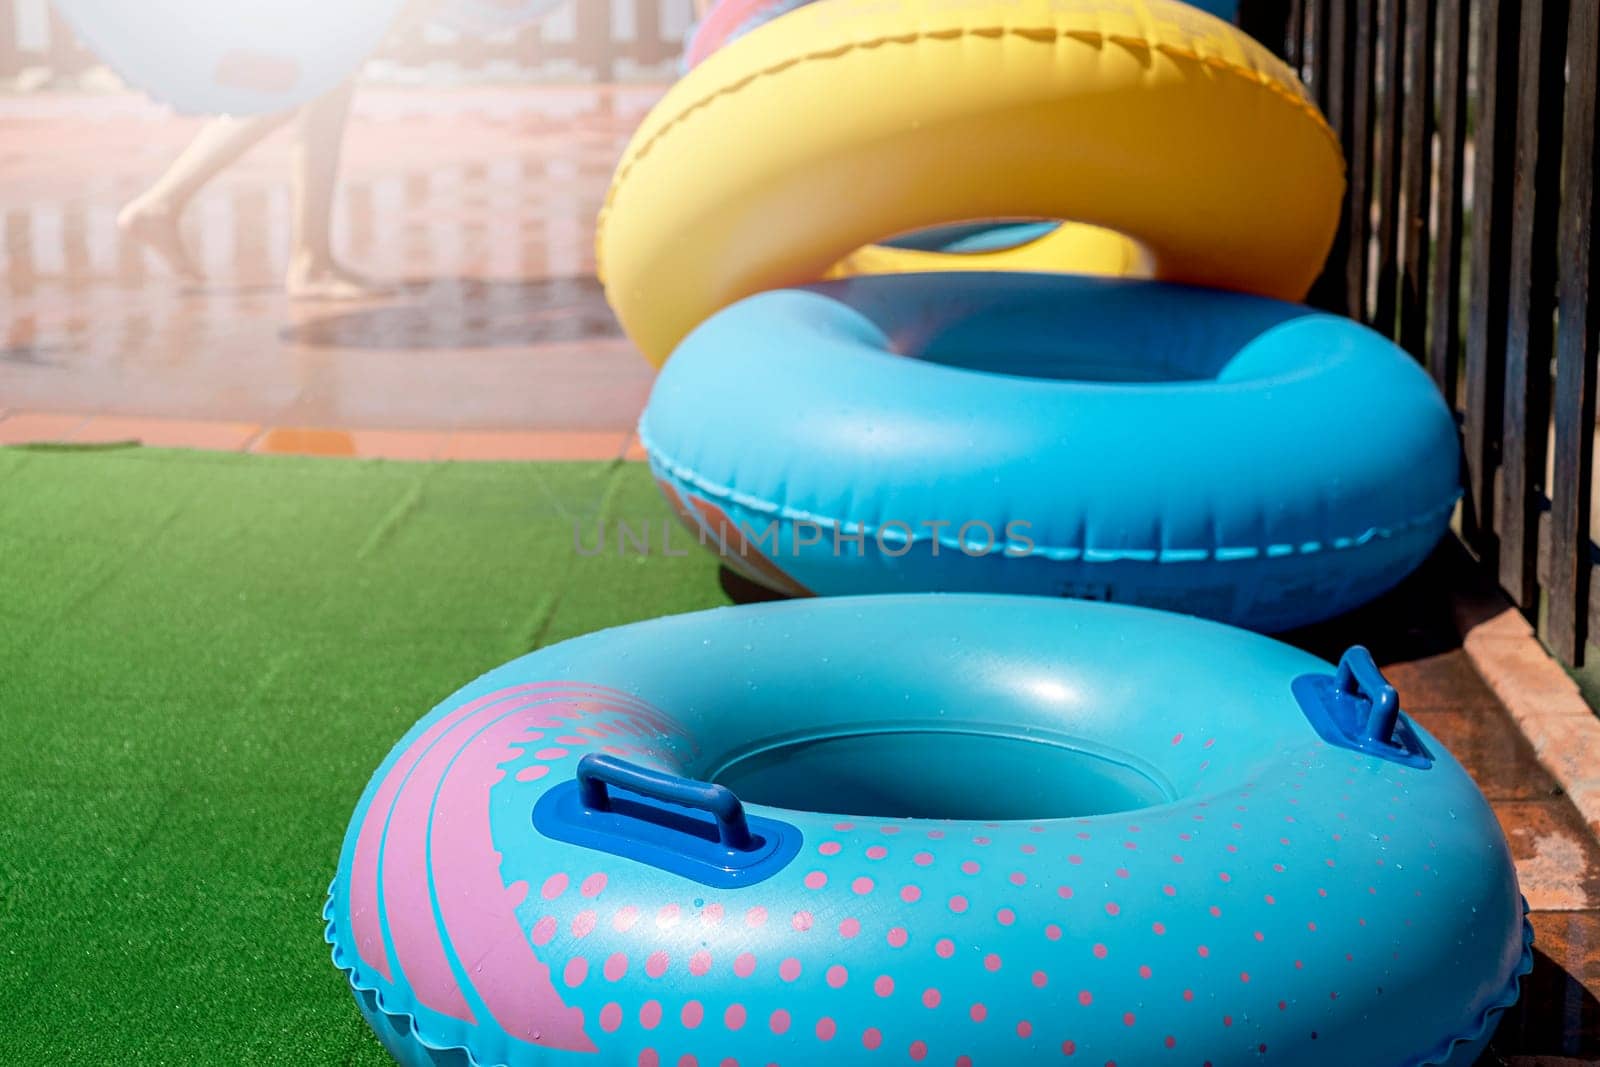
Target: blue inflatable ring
<point x="1212" y="453"/>
<point x="1032" y="828"/>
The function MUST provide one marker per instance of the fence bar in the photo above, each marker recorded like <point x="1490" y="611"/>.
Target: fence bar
<point x="1358" y="154"/>
<point x="1570" y="488"/>
<point x="1331" y="290"/>
<point x="1294" y="37"/>
<point x="1416" y="175"/>
<point x="1535" y="194"/>
<point x="1444" y="286"/>
<point x="1317" y="18"/>
<point x="1494" y="153"/>
<point x="1391" y="37"/>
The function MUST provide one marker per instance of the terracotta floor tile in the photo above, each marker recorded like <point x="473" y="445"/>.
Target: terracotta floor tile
<point x="1570" y="745"/>
<point x="1445" y="681"/>
<point x="167" y="433"/>
<point x="1493" y="750"/>
<point x="398" y="444"/>
<point x="298" y="441"/>
<point x="1528" y="680"/>
<point x="535" y="445"/>
<point x="1558" y="860"/>
<point x="414" y="445"/>
<point x="1557" y="1021"/>
<point x="31" y="427"/>
<point x="1586" y="798"/>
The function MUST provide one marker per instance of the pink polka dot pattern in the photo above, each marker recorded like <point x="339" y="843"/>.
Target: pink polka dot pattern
<point x="576" y="971"/>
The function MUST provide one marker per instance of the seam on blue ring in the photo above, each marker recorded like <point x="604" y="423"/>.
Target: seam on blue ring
<point x="1061" y="553"/>
<point x="360" y="983"/>
<point x="1489" y="1017"/>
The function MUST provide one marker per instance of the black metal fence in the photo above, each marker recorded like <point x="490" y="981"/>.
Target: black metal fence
<point x="1469" y="127"/>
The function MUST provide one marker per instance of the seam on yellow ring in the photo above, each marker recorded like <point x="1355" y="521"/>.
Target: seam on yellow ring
<point x="1266" y="79"/>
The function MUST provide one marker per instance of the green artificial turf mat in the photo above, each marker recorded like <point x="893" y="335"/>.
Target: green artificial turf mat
<point x="203" y="657"/>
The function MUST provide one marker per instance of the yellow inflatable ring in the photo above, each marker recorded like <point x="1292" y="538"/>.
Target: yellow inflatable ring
<point x="852" y="120"/>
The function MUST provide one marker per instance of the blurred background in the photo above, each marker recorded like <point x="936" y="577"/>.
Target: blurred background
<point x="473" y="167"/>
<point x="605" y="40"/>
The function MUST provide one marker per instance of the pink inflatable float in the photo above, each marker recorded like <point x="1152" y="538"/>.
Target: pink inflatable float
<point x="731" y="19"/>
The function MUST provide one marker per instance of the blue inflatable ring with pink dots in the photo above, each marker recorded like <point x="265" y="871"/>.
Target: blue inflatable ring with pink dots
<point x="941" y="829"/>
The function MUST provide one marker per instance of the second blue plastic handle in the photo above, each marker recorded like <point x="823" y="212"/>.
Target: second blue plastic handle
<point x="1359" y="676"/>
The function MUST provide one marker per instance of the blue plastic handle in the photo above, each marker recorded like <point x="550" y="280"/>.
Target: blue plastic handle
<point x="1355" y="707"/>
<point x="1359" y="676"/>
<point x="596" y="772"/>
